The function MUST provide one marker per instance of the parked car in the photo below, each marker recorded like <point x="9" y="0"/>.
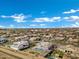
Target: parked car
<point x="3" y="40"/>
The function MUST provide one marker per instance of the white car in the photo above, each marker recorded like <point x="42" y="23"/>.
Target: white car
<point x="3" y="40"/>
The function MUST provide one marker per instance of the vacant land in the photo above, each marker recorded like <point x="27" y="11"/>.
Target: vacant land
<point x="6" y="56"/>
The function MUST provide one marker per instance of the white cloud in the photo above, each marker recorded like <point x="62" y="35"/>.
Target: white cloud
<point x="66" y="18"/>
<point x="11" y="26"/>
<point x="42" y="12"/>
<point x="3" y="16"/>
<point x="66" y="25"/>
<point x="71" y="11"/>
<point x="42" y="25"/>
<point x="46" y="19"/>
<point x="72" y="18"/>
<point x="1" y="26"/>
<point x="75" y="25"/>
<point x="17" y="17"/>
<point x="33" y="24"/>
<point x="37" y="25"/>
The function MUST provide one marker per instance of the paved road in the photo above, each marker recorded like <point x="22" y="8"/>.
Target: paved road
<point x="21" y="56"/>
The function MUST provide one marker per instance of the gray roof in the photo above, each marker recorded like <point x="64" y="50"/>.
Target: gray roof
<point x="2" y="38"/>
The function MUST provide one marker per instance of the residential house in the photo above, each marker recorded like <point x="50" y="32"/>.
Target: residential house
<point x="46" y="46"/>
<point x="20" y="45"/>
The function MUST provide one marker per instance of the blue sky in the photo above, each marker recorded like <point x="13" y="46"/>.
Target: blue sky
<point x="39" y="13"/>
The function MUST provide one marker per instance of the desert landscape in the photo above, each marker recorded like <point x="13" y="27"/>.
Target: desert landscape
<point x="61" y="43"/>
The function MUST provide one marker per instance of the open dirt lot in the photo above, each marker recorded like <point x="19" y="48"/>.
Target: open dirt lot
<point x="6" y="56"/>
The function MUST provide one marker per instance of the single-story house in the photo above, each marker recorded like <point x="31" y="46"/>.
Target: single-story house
<point x="20" y="45"/>
<point x="46" y="46"/>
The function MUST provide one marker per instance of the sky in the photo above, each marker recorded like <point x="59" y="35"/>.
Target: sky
<point x="39" y="13"/>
